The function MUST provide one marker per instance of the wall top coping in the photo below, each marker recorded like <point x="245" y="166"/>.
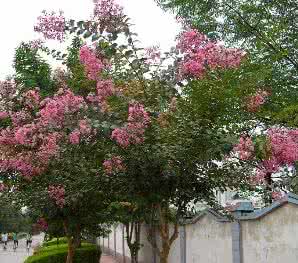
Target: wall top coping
<point x="288" y="198"/>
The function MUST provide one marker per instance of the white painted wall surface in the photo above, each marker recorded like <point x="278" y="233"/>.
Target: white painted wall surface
<point x="272" y="238"/>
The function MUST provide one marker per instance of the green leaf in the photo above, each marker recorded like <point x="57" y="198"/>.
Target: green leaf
<point x="128" y="53"/>
<point x="95" y="37"/>
<point x="87" y="34"/>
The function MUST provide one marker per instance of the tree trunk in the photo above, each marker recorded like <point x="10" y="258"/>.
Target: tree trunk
<point x="73" y="240"/>
<point x="133" y="234"/>
<point x="164" y="233"/>
<point x="70" y="251"/>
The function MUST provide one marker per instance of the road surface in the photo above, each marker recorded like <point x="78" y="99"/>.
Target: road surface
<point x="18" y="256"/>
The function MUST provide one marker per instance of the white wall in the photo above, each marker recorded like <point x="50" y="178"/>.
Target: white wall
<point x="272" y="238"/>
<point x="208" y="241"/>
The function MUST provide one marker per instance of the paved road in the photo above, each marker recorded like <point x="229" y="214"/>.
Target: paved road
<point x="9" y="256"/>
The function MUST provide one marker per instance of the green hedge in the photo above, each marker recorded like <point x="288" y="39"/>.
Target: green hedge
<point x="52" y="242"/>
<point x="88" y="253"/>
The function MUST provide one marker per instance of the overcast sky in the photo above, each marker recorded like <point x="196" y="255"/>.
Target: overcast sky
<point x="17" y="18"/>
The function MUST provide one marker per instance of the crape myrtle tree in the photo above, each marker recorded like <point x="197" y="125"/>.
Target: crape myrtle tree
<point x="122" y="124"/>
<point x="170" y="162"/>
<point x="267" y="30"/>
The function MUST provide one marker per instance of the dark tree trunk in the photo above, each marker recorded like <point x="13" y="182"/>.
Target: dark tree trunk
<point x="73" y="240"/>
<point x="163" y="230"/>
<point x="133" y="234"/>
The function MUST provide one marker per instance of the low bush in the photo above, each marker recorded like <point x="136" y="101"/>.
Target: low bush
<point x="55" y="241"/>
<point x="87" y="253"/>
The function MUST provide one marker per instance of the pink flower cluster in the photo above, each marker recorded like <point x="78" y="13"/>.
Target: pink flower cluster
<point x="281" y="148"/>
<point x="8" y="92"/>
<point x="83" y="130"/>
<point x="113" y="165"/>
<point x="20" y="165"/>
<point x="57" y="194"/>
<point x="133" y="132"/>
<point x="245" y="148"/>
<point x="32" y="98"/>
<point x="20" y="117"/>
<point x="104" y="89"/>
<point x="25" y="135"/>
<point x="36" y="44"/>
<point x="55" y="109"/>
<point x="93" y="65"/>
<point x="201" y="54"/>
<point x="43" y="223"/>
<point x="2" y="187"/>
<point x="152" y="54"/>
<point x="49" y="148"/>
<point x="51" y="25"/>
<point x="277" y="195"/>
<point x="106" y="10"/>
<point x="42" y="132"/>
<point x="3" y="115"/>
<point x="283" y="145"/>
<point x="255" y="102"/>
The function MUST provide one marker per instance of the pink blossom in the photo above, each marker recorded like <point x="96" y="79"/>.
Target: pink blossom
<point x="254" y="102"/>
<point x="105" y="89"/>
<point x="43" y="224"/>
<point x="32" y="98"/>
<point x="7" y="137"/>
<point x="190" y="40"/>
<point x="20" y="118"/>
<point x="133" y="132"/>
<point x="137" y="113"/>
<point x="283" y="145"/>
<point x="113" y="165"/>
<point x="106" y="10"/>
<point x="153" y="54"/>
<point x="20" y="165"/>
<point x="49" y="148"/>
<point x="3" y="115"/>
<point x="51" y="25"/>
<point x="201" y="54"/>
<point x="8" y="90"/>
<point x="36" y="44"/>
<point x="74" y="137"/>
<point x="277" y="195"/>
<point x="93" y="65"/>
<point x="121" y="136"/>
<point x="259" y="176"/>
<point x="84" y="127"/>
<point x="55" y="109"/>
<point x="25" y="134"/>
<point x="57" y="194"/>
<point x="2" y="187"/>
<point x="244" y="148"/>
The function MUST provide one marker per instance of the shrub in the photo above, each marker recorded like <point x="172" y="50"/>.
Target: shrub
<point x="55" y="241"/>
<point x="88" y="253"/>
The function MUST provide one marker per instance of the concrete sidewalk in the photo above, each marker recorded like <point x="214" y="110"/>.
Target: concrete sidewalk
<point x="107" y="259"/>
<point x="21" y="253"/>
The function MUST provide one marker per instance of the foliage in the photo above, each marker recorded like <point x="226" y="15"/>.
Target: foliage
<point x="12" y="219"/>
<point x="265" y="29"/>
<point x="55" y="241"/>
<point x="87" y="253"/>
<point x="31" y="70"/>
